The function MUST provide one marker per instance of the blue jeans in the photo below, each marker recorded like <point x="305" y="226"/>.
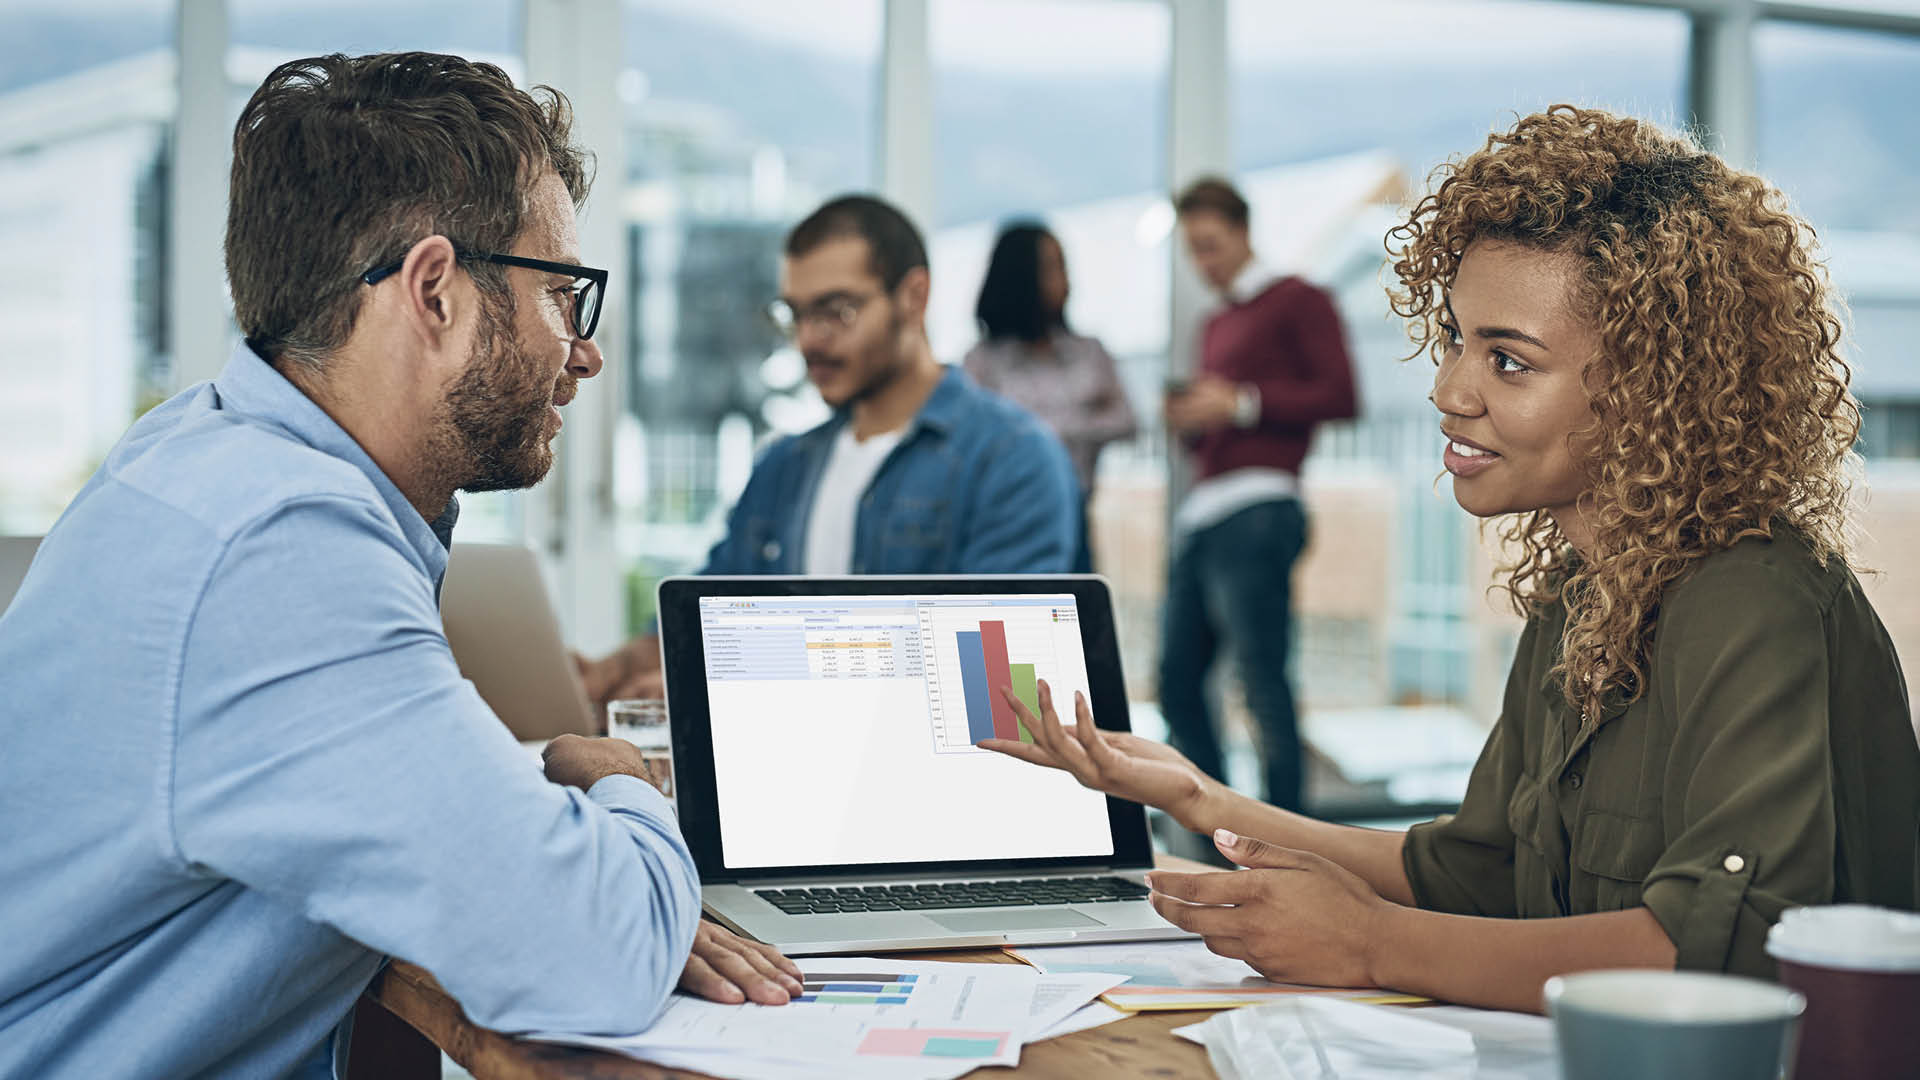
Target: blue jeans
<point x="1231" y="585"/>
<point x="1083" y="555"/>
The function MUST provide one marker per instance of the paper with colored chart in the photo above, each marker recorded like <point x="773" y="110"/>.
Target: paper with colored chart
<point x="859" y="1017"/>
<point x="1182" y="975"/>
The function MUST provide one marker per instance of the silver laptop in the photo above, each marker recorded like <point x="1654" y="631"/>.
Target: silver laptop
<point x="16" y="555"/>
<point x="828" y="781"/>
<point x="501" y="627"/>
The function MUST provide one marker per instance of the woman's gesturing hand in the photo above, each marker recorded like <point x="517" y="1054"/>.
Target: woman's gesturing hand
<point x="1293" y="915"/>
<point x="1117" y="763"/>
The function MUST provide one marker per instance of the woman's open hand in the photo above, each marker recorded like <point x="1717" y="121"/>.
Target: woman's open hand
<point x="1114" y="762"/>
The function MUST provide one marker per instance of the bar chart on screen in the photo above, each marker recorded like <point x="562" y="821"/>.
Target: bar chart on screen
<point x="979" y="650"/>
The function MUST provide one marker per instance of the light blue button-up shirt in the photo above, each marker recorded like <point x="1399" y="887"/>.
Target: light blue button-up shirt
<point x="238" y="767"/>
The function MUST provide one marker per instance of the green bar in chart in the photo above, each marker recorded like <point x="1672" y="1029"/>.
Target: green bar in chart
<point x="1026" y="687"/>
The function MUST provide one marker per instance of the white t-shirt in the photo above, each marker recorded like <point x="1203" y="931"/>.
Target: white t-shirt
<point x="836" y="501"/>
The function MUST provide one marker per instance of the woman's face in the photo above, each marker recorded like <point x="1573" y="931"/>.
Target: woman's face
<point x="1510" y="385"/>
<point x="1053" y="275"/>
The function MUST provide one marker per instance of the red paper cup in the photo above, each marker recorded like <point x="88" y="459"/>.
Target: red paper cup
<point x="1859" y="969"/>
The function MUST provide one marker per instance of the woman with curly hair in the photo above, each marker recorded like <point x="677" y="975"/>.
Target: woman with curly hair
<point x="1638" y="368"/>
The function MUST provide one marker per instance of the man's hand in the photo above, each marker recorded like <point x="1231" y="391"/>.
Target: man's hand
<point x="577" y="761"/>
<point x="728" y="968"/>
<point x="1117" y="763"/>
<point x="630" y="671"/>
<point x="1207" y="404"/>
<point x="1294" y="916"/>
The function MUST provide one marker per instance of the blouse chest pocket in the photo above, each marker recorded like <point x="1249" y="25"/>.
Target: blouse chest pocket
<point x="1523" y="808"/>
<point x="1614" y="854"/>
<point x="1535" y="894"/>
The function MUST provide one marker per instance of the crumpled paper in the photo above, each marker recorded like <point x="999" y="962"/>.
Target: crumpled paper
<point x="1330" y="1039"/>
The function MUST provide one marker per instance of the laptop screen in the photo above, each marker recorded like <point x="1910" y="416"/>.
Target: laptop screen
<point x="843" y="728"/>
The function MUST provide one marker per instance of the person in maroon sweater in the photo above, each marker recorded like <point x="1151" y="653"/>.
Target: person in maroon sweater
<point x="1273" y="365"/>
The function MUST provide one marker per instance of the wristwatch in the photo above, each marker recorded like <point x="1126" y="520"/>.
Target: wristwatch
<point x="1246" y="406"/>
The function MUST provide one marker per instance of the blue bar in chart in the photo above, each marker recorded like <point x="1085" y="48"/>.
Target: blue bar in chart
<point x="973" y="675"/>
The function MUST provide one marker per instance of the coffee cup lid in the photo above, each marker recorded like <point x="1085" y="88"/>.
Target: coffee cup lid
<point x="1857" y="937"/>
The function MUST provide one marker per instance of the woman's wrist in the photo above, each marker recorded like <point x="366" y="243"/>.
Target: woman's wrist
<point x="1206" y="809"/>
<point x="1386" y="943"/>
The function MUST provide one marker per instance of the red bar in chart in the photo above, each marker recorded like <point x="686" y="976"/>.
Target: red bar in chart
<point x="993" y="642"/>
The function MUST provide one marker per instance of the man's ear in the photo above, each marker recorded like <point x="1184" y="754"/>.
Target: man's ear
<point x="911" y="294"/>
<point x="435" y="295"/>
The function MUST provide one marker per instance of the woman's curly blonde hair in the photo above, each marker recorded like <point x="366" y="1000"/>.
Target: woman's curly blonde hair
<point x="1720" y="398"/>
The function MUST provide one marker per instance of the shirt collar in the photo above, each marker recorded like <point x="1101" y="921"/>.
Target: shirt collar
<point x="252" y="387"/>
<point x="943" y="411"/>
<point x="1252" y="280"/>
<point x="945" y="406"/>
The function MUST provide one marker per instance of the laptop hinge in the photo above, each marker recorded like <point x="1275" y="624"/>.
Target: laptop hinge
<point x="924" y="877"/>
<point x="929" y="875"/>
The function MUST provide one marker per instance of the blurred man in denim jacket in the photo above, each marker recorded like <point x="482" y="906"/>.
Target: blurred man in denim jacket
<point x="919" y="471"/>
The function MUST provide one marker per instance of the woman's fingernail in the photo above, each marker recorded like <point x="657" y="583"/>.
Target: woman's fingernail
<point x="1225" y="837"/>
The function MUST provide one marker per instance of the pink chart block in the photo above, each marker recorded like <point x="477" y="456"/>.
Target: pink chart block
<point x="932" y="1042"/>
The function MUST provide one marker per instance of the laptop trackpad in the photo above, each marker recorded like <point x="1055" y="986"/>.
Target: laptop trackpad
<point x="1029" y="919"/>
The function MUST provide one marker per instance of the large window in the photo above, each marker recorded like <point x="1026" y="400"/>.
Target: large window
<point x="1837" y="124"/>
<point x="85" y="105"/>
<point x="1091" y="166"/>
<point x="741" y="117"/>
<point x="480" y="29"/>
<point x="1340" y="112"/>
<point x="1838" y="133"/>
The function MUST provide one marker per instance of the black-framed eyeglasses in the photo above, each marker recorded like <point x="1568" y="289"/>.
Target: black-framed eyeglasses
<point x="831" y="314"/>
<point x="585" y="295"/>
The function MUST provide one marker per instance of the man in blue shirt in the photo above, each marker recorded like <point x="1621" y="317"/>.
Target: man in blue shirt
<point x="919" y="471"/>
<point x="241" y="764"/>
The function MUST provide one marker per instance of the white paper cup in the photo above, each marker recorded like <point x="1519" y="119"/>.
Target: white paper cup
<point x="1859" y="968"/>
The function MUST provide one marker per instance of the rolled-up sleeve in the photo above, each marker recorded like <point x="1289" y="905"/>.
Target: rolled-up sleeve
<point x="329" y="754"/>
<point x="1748" y="790"/>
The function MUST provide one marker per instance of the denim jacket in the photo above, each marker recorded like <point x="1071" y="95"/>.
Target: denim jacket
<point x="976" y="486"/>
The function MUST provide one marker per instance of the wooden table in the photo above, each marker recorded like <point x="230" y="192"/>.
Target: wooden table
<point x="384" y="1048"/>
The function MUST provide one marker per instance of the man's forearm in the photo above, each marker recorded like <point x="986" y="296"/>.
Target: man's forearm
<point x="1371" y="854"/>
<point x="1505" y="963"/>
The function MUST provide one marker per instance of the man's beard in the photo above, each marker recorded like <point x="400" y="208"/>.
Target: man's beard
<point x="494" y="432"/>
<point x="883" y="364"/>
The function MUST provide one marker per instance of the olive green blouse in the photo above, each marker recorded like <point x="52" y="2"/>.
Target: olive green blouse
<point x="1771" y="763"/>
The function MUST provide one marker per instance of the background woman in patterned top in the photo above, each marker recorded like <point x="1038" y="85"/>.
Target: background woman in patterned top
<point x="1027" y="354"/>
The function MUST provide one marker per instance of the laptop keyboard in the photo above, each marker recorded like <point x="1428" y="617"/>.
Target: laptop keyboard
<point x="832" y="900"/>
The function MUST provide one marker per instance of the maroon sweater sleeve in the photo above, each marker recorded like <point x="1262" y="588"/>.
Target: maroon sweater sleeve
<point x="1306" y="376"/>
<point x="1288" y="343"/>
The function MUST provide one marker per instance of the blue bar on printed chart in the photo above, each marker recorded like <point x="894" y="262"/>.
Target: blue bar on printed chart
<point x="973" y="675"/>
